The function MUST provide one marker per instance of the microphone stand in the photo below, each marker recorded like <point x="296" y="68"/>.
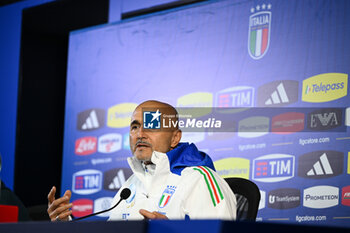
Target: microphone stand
<point x="125" y="193"/>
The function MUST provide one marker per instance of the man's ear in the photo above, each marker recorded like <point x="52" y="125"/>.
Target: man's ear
<point x="177" y="134"/>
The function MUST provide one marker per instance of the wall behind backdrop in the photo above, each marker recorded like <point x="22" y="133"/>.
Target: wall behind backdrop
<point x="220" y="54"/>
<point x="26" y="84"/>
<point x="10" y="27"/>
<point x="11" y="22"/>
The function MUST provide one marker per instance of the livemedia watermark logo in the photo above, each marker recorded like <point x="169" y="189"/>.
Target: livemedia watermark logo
<point x="247" y="122"/>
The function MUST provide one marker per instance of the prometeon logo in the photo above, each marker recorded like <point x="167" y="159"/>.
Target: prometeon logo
<point x="321" y="164"/>
<point x="278" y="93"/>
<point x="273" y="168"/>
<point x="320" y="197"/>
<point x="87" y="182"/>
<point x="284" y="198"/>
<point x="240" y="96"/>
<point x="324" y="119"/>
<point x="91" y="119"/>
<point x="325" y="87"/>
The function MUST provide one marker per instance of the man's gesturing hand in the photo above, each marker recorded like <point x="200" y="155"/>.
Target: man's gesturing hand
<point x="59" y="209"/>
<point x="152" y="215"/>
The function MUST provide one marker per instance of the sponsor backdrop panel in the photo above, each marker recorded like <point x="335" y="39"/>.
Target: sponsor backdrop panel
<point x="286" y="54"/>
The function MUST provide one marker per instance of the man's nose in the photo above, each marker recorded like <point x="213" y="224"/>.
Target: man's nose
<point x="141" y="133"/>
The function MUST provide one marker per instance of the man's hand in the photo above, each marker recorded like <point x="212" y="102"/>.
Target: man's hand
<point x="59" y="209"/>
<point x="152" y="215"/>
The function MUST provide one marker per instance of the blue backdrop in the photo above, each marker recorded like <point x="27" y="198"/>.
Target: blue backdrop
<point x="220" y="54"/>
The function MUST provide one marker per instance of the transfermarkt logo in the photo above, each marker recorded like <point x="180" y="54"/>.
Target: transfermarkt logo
<point x="325" y="87"/>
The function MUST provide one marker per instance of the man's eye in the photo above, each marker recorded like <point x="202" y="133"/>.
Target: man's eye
<point x="134" y="127"/>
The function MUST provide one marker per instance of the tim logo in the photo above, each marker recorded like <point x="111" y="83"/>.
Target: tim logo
<point x="91" y="119"/>
<point x="321" y="164"/>
<point x="273" y="168"/>
<point x="241" y="96"/>
<point x="345" y="196"/>
<point x="284" y="198"/>
<point x="278" y="93"/>
<point x="324" y="119"/>
<point x="151" y="120"/>
<point x="85" y="145"/>
<point x="87" y="182"/>
<point x="82" y="207"/>
<point x="115" y="178"/>
<point x="259" y="30"/>
<point x="167" y="194"/>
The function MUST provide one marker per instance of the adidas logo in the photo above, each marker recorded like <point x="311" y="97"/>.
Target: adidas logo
<point x="278" y="96"/>
<point x="321" y="164"/>
<point x="91" y="119"/>
<point x="118" y="181"/>
<point x="321" y="167"/>
<point x="91" y="122"/>
<point x="278" y="93"/>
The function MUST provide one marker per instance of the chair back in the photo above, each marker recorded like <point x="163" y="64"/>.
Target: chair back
<point x="38" y="212"/>
<point x="8" y="213"/>
<point x="248" y="197"/>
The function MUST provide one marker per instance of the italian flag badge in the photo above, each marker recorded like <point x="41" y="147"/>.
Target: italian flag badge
<point x="167" y="194"/>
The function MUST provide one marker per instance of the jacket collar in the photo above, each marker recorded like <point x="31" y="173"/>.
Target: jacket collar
<point x="174" y="161"/>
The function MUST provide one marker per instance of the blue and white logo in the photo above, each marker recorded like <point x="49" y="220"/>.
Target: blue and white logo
<point x="151" y="120"/>
<point x="87" y="182"/>
<point x="273" y="168"/>
<point x="239" y="96"/>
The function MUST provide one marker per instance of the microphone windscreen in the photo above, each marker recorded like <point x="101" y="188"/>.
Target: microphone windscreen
<point x="125" y="194"/>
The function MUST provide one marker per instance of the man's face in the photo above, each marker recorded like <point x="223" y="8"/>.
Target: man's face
<point x="143" y="143"/>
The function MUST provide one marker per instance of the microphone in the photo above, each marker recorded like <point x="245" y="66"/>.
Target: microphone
<point x="125" y="194"/>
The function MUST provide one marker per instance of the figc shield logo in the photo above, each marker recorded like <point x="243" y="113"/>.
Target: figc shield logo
<point x="259" y="31"/>
<point x="167" y="194"/>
